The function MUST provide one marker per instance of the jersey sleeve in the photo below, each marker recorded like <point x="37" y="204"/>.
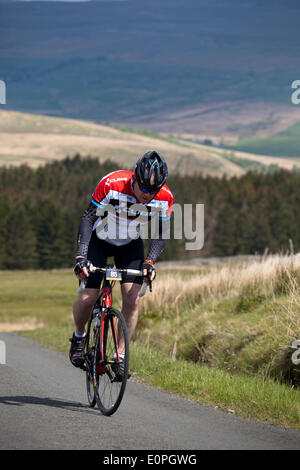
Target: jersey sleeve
<point x="85" y="230"/>
<point x="100" y="197"/>
<point x="166" y="211"/>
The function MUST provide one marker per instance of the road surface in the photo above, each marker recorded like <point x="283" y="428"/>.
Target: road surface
<point x="43" y="405"/>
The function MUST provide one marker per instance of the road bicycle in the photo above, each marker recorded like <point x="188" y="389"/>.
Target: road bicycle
<point x="106" y="377"/>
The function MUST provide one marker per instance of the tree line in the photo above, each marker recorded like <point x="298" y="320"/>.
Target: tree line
<point x="40" y="211"/>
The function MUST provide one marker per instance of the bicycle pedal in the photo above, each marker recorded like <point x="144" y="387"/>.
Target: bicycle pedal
<point x="119" y="378"/>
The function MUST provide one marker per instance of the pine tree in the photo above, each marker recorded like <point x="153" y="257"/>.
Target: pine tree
<point x="20" y="252"/>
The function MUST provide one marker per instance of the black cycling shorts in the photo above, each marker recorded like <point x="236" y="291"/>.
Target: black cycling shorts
<point x="127" y="256"/>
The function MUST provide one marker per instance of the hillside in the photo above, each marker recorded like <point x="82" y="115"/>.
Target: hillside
<point x="218" y="68"/>
<point x="36" y="140"/>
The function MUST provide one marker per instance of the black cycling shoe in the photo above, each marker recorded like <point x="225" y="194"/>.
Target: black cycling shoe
<point x="118" y="369"/>
<point x="76" y="351"/>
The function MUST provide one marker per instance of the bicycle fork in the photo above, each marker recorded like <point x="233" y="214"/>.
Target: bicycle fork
<point x="103" y="320"/>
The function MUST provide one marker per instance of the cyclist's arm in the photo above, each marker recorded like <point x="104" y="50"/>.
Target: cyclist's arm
<point x="85" y="230"/>
<point x="90" y="216"/>
<point x="156" y="247"/>
<point x="158" y="244"/>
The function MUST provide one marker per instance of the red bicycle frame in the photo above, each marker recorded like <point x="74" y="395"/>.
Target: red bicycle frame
<point x="107" y="302"/>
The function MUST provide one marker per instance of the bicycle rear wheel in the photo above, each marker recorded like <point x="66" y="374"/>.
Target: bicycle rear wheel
<point x="109" y="384"/>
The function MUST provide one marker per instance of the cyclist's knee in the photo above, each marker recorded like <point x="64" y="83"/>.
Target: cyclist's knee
<point x="88" y="298"/>
<point x="131" y="298"/>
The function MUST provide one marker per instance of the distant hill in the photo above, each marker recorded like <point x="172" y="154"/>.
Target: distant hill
<point x="36" y="140"/>
<point x="212" y="68"/>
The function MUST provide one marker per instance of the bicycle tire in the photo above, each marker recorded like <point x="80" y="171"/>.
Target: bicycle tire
<point x="109" y="388"/>
<point x="89" y="360"/>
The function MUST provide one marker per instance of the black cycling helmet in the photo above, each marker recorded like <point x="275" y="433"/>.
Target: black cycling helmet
<point x="149" y="164"/>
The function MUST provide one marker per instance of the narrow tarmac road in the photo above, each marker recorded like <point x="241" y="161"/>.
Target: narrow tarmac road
<point x="43" y="405"/>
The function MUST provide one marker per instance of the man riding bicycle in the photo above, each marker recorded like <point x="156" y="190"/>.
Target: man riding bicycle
<point x="121" y="204"/>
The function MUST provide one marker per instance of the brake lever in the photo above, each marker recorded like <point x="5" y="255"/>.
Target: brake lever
<point x="143" y="289"/>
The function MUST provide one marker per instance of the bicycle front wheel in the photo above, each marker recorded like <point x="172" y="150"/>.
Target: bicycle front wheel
<point x="111" y="362"/>
<point x="89" y="360"/>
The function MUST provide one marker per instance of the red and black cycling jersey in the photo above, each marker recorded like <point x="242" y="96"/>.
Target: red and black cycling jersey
<point x="117" y="216"/>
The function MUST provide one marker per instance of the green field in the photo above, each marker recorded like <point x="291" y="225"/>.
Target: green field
<point x="220" y="335"/>
<point x="283" y="144"/>
<point x="277" y="146"/>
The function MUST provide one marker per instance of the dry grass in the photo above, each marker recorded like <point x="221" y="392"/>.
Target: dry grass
<point x="285" y="327"/>
<point x="172" y="289"/>
<point x="239" y="317"/>
<point x="24" y="324"/>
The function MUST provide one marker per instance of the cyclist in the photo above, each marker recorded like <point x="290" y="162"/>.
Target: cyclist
<point x="106" y="230"/>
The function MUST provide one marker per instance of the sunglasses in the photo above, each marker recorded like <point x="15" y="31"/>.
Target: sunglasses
<point x="146" y="191"/>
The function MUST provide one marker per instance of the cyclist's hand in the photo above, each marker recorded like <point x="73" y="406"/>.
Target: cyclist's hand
<point x="149" y="271"/>
<point x="82" y="268"/>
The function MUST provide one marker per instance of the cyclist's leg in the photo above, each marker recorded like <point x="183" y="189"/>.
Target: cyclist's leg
<point x="131" y="256"/>
<point x="82" y="308"/>
<point x="130" y="308"/>
<point x="83" y="305"/>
